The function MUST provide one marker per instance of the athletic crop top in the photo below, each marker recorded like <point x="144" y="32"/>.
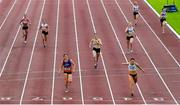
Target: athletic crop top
<point x="130" y="30"/>
<point x="163" y="14"/>
<point x="96" y="43"/>
<point x="44" y="26"/>
<point x="25" y="24"/>
<point x="67" y="65"/>
<point x="135" y="8"/>
<point x="24" y="21"/>
<point x="132" y="67"/>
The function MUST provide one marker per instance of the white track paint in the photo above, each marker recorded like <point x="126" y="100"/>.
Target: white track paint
<point x="7" y="13"/>
<point x="55" y="52"/>
<point x="9" y="52"/>
<point x="107" y="78"/>
<point x="32" y="52"/>
<point x="175" y="33"/>
<point x="121" y="47"/>
<point x="158" y="38"/>
<point x="150" y="59"/>
<point x="102" y="58"/>
<point x="78" y="55"/>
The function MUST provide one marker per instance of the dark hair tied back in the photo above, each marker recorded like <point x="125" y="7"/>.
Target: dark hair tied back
<point x="132" y="59"/>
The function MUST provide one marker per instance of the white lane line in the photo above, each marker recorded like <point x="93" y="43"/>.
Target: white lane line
<point x="176" y="34"/>
<point x="2" y="70"/>
<point x="158" y="72"/>
<point x="158" y="39"/>
<point x="102" y="58"/>
<point x="107" y="78"/>
<point x="32" y="52"/>
<point x="121" y="47"/>
<point x="90" y="13"/>
<point x="78" y="56"/>
<point x="150" y="58"/>
<point x="55" y="52"/>
<point x="8" y="14"/>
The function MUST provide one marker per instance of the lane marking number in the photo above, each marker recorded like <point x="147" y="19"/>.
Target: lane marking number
<point x="6" y="98"/>
<point x="97" y="98"/>
<point x="67" y="98"/>
<point x="38" y="99"/>
<point x="158" y="99"/>
<point x="127" y="98"/>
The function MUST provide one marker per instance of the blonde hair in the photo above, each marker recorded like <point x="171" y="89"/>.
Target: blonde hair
<point x="129" y="23"/>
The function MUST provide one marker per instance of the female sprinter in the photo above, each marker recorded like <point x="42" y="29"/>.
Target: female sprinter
<point x="67" y="67"/>
<point x="25" y="22"/>
<point x="163" y="19"/>
<point x="135" y="12"/>
<point x="132" y="73"/>
<point x="96" y="45"/>
<point x="130" y="36"/>
<point x="44" y="28"/>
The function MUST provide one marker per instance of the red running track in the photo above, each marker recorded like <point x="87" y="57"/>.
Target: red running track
<point x="29" y="73"/>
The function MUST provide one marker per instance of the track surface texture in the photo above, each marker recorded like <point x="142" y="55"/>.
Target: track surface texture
<point x="29" y="73"/>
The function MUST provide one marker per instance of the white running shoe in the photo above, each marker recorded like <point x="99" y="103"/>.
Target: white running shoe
<point x="25" y="42"/>
<point x="131" y="51"/>
<point x="66" y="90"/>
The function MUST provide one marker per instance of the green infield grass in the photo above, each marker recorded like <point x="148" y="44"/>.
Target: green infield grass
<point x="172" y="18"/>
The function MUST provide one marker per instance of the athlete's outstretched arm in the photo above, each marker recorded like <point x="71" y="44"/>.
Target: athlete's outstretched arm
<point x="126" y="30"/>
<point x="139" y="67"/>
<point x="125" y="63"/>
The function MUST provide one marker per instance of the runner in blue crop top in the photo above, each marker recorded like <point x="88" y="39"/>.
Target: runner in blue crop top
<point x="132" y="73"/>
<point x="67" y="67"/>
